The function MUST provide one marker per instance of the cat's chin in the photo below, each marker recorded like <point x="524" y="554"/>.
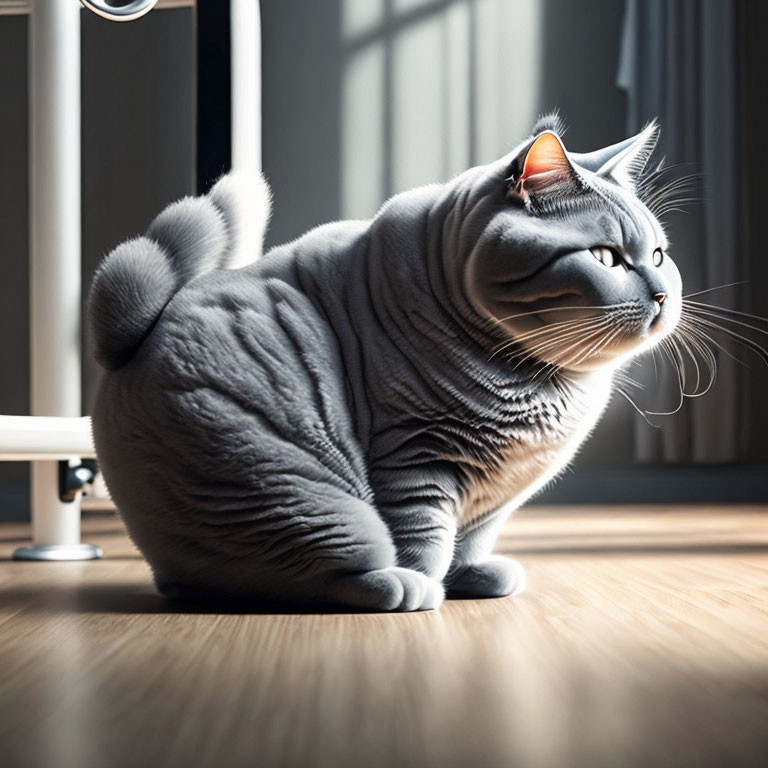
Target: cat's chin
<point x="625" y="349"/>
<point x="592" y="366"/>
<point x="616" y="358"/>
<point x="610" y="359"/>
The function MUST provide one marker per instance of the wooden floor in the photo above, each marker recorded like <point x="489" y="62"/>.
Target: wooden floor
<point x="642" y="641"/>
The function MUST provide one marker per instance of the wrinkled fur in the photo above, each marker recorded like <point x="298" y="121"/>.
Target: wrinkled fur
<point x="329" y="424"/>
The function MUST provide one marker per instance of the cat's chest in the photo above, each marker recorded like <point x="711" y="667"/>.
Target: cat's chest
<point x="530" y="448"/>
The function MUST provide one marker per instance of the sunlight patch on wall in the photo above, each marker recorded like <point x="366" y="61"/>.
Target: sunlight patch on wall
<point x="456" y="71"/>
<point x="508" y="45"/>
<point x="362" y="162"/>
<point x="403" y="6"/>
<point x="430" y="87"/>
<point x="362" y="133"/>
<point x="519" y="89"/>
<point x="359" y="17"/>
<point x="419" y="95"/>
<point x="489" y="75"/>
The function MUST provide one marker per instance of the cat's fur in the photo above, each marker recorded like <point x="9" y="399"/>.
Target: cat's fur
<point x="333" y="422"/>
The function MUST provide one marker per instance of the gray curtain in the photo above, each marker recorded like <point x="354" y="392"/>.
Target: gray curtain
<point x="681" y="62"/>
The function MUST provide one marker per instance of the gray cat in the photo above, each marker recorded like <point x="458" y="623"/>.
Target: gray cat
<point x="350" y="419"/>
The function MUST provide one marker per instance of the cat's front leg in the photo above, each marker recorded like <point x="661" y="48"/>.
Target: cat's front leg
<point x="475" y="572"/>
<point x="423" y="536"/>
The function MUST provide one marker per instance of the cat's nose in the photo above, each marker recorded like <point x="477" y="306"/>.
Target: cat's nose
<point x="659" y="297"/>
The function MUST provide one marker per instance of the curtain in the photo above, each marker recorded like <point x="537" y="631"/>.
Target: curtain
<point x="681" y="62"/>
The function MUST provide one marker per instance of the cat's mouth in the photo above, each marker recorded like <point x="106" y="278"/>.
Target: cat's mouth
<point x="657" y="311"/>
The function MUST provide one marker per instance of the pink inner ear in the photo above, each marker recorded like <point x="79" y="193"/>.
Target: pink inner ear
<point x="546" y="155"/>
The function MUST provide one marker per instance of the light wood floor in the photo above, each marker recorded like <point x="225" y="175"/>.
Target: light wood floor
<point x="642" y="641"/>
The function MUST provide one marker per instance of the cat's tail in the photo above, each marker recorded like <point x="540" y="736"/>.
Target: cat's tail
<point x="133" y="284"/>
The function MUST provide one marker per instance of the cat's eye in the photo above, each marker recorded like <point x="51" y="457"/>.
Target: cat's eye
<point x="658" y="257"/>
<point x="606" y="256"/>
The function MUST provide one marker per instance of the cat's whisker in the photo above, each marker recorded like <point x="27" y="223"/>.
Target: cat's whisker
<point x="677" y="353"/>
<point x="624" y="378"/>
<point x="557" y="309"/>
<point x="653" y="179"/>
<point x="680" y="353"/>
<point x="642" y="413"/>
<point x="568" y="360"/>
<point x="690" y="181"/>
<point x="710" y="360"/>
<point x="580" y="334"/>
<point x="716" y="288"/>
<point x="693" y="343"/>
<point x="655" y="192"/>
<point x="750" y="344"/>
<point x="701" y="341"/>
<point x="684" y="200"/>
<point x="708" y="313"/>
<point x="674" y="355"/>
<point x="519" y="347"/>
<point x="551" y="326"/>
<point x="582" y="337"/>
<point x="724" y="310"/>
<point x="677" y="204"/>
<point x="664" y="346"/>
<point x="686" y="345"/>
<point x="600" y="344"/>
<point x="545" y="330"/>
<point x="670" y="206"/>
<point x="547" y="335"/>
<point x="690" y="324"/>
<point x="658" y="195"/>
<point x="567" y="332"/>
<point x="674" y="192"/>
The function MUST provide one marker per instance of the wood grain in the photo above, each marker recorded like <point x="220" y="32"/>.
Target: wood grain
<point x="642" y="641"/>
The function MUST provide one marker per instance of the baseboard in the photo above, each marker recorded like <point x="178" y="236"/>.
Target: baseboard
<point x="719" y="484"/>
<point x="14" y="503"/>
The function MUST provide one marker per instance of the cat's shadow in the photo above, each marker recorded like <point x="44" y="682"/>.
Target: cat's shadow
<point x="135" y="599"/>
<point x="131" y="598"/>
<point x="128" y="598"/>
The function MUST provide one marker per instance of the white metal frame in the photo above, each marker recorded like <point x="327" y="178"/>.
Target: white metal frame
<point x="55" y="290"/>
<point x="56" y="431"/>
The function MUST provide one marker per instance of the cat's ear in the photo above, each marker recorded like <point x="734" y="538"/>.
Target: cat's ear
<point x="629" y="162"/>
<point x="594" y="161"/>
<point x="542" y="167"/>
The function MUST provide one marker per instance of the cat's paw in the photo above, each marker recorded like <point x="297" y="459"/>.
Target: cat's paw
<point x="391" y="589"/>
<point x="495" y="577"/>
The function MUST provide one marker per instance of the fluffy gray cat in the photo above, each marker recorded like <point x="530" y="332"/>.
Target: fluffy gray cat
<point x="350" y="419"/>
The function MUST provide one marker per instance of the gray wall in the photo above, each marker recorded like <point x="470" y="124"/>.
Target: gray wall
<point x="138" y="89"/>
<point x="755" y="118"/>
<point x="14" y="327"/>
<point x="138" y="132"/>
<point x="301" y="107"/>
<point x="414" y="69"/>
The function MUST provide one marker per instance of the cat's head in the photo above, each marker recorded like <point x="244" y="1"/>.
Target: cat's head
<point x="565" y="256"/>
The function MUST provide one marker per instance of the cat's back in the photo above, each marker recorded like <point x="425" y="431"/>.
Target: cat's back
<point x="231" y="342"/>
<point x="237" y="392"/>
<point x="238" y="369"/>
<point x="238" y="352"/>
